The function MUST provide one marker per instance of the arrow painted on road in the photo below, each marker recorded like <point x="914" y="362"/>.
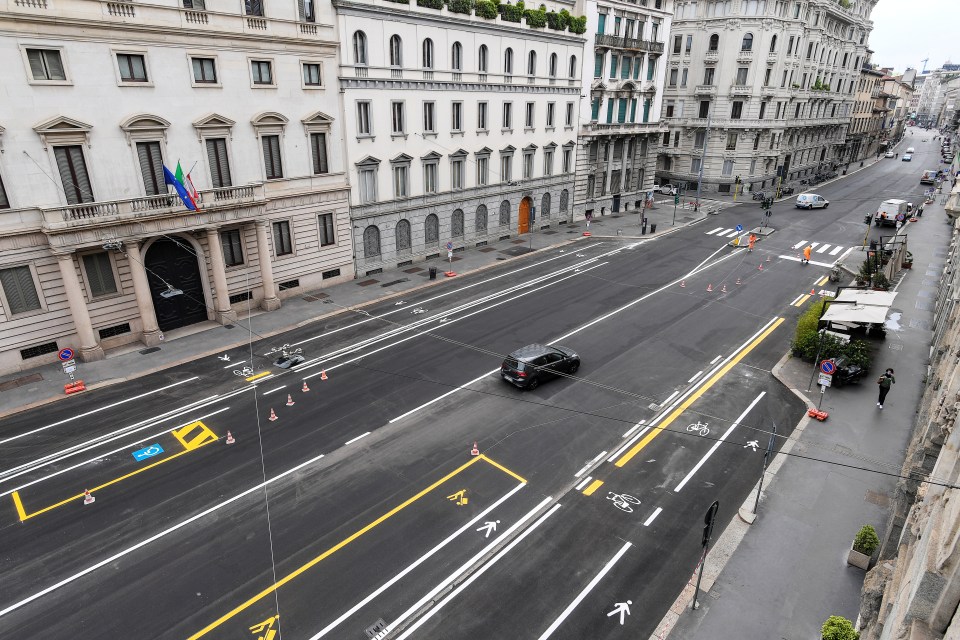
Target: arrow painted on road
<point x="489" y="527"/>
<point x="623" y="608"/>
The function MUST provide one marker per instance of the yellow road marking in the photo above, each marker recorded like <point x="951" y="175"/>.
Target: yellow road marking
<point x="198" y="440"/>
<point x="24" y="516"/>
<point x="799" y="303"/>
<point x="503" y="468"/>
<point x="822" y="281"/>
<point x="695" y="396"/>
<point x="460" y="498"/>
<point x="258" y="376"/>
<point x="593" y="487"/>
<point x="326" y="554"/>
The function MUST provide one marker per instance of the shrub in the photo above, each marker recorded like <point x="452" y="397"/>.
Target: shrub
<point x="838" y="628"/>
<point x="430" y="4"/>
<point x="578" y="25"/>
<point x="486" y="9"/>
<point x="460" y="6"/>
<point x="866" y="541"/>
<point x="511" y="12"/>
<point x="880" y="280"/>
<point x="558" y="21"/>
<point x="536" y="18"/>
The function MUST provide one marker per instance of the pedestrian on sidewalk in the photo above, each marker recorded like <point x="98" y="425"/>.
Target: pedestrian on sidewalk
<point x="806" y="254"/>
<point x="885" y="381"/>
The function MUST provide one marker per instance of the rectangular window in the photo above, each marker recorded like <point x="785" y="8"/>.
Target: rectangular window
<point x="763" y="109"/>
<point x="527" y="166"/>
<point x="731" y="141"/>
<point x="528" y="118"/>
<point x="262" y="72"/>
<point x="567" y="160"/>
<point x="689" y="46"/>
<point x="625" y="67"/>
<point x="591" y="185"/>
<point x="456" y="174"/>
<point x="429" y="117"/>
<point x="790" y="46"/>
<point x="698" y="139"/>
<point x="99" y="274"/>
<point x="4" y="201"/>
<point x="204" y="70"/>
<point x="219" y="165"/>
<point x="73" y="174"/>
<point x="727" y="167"/>
<point x="666" y="139"/>
<point x="736" y="111"/>
<point x="506" y="168"/>
<point x="568" y="116"/>
<point x="232" y="247"/>
<point x="622" y="110"/>
<point x="333" y="273"/>
<point x="695" y="165"/>
<point x="669" y="111"/>
<point x="595" y="109"/>
<point x="253" y="7"/>
<point x="282" y="246"/>
<point x="616" y="25"/>
<point x="401" y="180"/>
<point x="363" y="119"/>
<point x="673" y="77"/>
<point x="708" y="75"/>
<point x="756" y="143"/>
<point x="683" y="77"/>
<point x="704" y="108"/>
<point x="271" y="157"/>
<point x="651" y="68"/>
<point x="456" y="117"/>
<point x="613" y="66"/>
<point x="610" y="102"/>
<point x="151" y="168"/>
<point x="430" y="178"/>
<point x="741" y="75"/>
<point x="133" y="67"/>
<point x="398" y="122"/>
<point x="19" y="290"/>
<point x="551" y="106"/>
<point x="483" y="170"/>
<point x="766" y="77"/>
<point x="601" y="22"/>
<point x="311" y="74"/>
<point x="676" y="139"/>
<point x="368" y="186"/>
<point x="318" y="151"/>
<point x="507" y="115"/>
<point x="327" y="236"/>
<point x="598" y="66"/>
<point x="45" y="64"/>
<point x="482" y="116"/>
<point x="677" y="44"/>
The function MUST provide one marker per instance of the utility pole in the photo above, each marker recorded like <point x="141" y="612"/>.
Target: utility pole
<point x="703" y="155"/>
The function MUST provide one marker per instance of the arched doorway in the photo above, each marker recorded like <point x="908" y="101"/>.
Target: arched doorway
<point x="523" y="225"/>
<point x="173" y="262"/>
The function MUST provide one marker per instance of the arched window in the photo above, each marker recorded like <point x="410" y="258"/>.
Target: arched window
<point x="403" y="237"/>
<point x="545" y="206"/>
<point x="573" y="67"/>
<point x="456" y="57"/>
<point x="359" y="47"/>
<point x="428" y="54"/>
<point x="532" y="63"/>
<point x="482" y="59"/>
<point x="505" y="213"/>
<point x="773" y="44"/>
<point x="481" y="223"/>
<point x="714" y="43"/>
<point x="747" y="44"/>
<point x="396" y="51"/>
<point x="564" y="200"/>
<point x="431" y="230"/>
<point x="456" y="224"/>
<point x="371" y="242"/>
<point x="508" y="61"/>
<point x="553" y="65"/>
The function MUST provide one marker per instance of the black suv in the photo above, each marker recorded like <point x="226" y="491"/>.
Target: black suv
<point x="528" y="367"/>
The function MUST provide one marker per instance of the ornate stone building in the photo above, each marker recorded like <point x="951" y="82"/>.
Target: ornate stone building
<point x="757" y="88"/>
<point x="95" y="251"/>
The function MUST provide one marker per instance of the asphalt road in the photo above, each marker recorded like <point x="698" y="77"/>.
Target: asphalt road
<point x="361" y="505"/>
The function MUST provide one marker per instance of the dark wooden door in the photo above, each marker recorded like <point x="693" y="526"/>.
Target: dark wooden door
<point x="173" y="262"/>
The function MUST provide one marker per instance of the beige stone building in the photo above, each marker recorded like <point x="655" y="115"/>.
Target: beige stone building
<point x="95" y="250"/>
<point x="869" y="108"/>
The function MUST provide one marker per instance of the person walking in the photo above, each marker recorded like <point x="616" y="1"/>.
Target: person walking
<point x="885" y="381"/>
<point x="806" y="254"/>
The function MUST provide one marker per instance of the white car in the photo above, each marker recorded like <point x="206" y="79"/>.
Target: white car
<point x="812" y="201"/>
<point x="667" y="189"/>
<point x="888" y="154"/>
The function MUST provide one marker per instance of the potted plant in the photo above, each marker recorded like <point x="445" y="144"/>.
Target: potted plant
<point x="880" y="282"/>
<point x="838" y="628"/>
<point x="864" y="544"/>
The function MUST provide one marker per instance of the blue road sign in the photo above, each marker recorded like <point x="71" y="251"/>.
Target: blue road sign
<point x="828" y="367"/>
<point x="739" y="227"/>
<point x="147" y="452"/>
<point x="65" y="354"/>
<point x="449" y="246"/>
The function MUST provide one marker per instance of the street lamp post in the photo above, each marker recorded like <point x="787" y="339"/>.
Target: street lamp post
<point x="703" y="155"/>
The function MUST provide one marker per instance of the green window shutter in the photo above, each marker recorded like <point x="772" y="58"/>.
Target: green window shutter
<point x="625" y="68"/>
<point x="622" y="110"/>
<point x="601" y="23"/>
<point x="99" y="274"/>
<point x="636" y="68"/>
<point x="609" y="111"/>
<point x="613" y="66"/>
<point x="598" y="66"/>
<point x="646" y="110"/>
<point x="595" y="109"/>
<point x="633" y="110"/>
<point x="17" y="283"/>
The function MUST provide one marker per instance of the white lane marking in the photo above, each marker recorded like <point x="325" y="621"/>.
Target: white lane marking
<point x="717" y="358"/>
<point x="439" y="398"/>
<point x="695" y="376"/>
<point x="632" y="429"/>
<point x="732" y="233"/>
<point x="389" y="583"/>
<point x="628" y="444"/>
<point x="669" y="398"/>
<point x="823" y="248"/>
<point x="799" y="244"/>
<point x="352" y="440"/>
<point x="819" y="264"/>
<point x="719" y="441"/>
<point x="586" y="590"/>
<point x="266" y="393"/>
<point x="653" y="516"/>
<point x="583" y="483"/>
<point x="836" y="250"/>
<point x="797" y="299"/>
<point x="97" y="410"/>
<point x="232" y="365"/>
<point x="101" y="456"/>
<point x="814" y="245"/>
<point x="473" y="576"/>
<point x="717" y="230"/>
<point x="260" y="381"/>
<point x="589" y="464"/>
<point x="154" y="538"/>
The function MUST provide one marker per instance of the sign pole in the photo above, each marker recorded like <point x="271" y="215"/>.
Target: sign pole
<point x="766" y="457"/>
<point x="708" y="521"/>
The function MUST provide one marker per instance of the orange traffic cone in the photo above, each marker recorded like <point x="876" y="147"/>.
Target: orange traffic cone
<point x="323" y="374"/>
<point x="813" y="292"/>
<point x="230" y="439"/>
<point x="760" y="268"/>
<point x="475" y="451"/>
<point x="273" y="416"/>
<point x="290" y="401"/>
<point x="723" y="289"/>
<point x="305" y="387"/>
<point x="87" y="498"/>
<point x="710" y="287"/>
<point x="683" y="283"/>
<point x="738" y="281"/>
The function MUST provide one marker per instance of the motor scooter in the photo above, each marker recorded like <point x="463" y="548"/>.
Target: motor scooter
<point x="846" y="373"/>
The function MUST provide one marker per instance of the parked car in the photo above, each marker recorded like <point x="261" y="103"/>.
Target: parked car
<point x="907" y="157"/>
<point x="667" y="189"/>
<point x="289" y="360"/>
<point x="527" y="367"/>
<point x="812" y="201"/>
<point x="888" y="154"/>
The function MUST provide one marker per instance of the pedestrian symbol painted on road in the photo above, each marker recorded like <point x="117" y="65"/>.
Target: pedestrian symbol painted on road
<point x="753" y="444"/>
<point x="459" y="498"/>
<point x="621" y="608"/>
<point x="147" y="452"/>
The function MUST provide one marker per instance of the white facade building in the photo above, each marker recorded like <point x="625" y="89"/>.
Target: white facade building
<point x="101" y="96"/>
<point x="459" y="129"/>
<point x="758" y="88"/>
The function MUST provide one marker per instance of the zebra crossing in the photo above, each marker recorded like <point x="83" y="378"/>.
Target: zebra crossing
<point x="822" y="248"/>
<point x="720" y="232"/>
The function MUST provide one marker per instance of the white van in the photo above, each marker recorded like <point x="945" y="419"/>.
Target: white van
<point x="812" y="201"/>
<point x="910" y="150"/>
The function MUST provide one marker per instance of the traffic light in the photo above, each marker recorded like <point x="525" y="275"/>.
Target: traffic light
<point x="676" y="199"/>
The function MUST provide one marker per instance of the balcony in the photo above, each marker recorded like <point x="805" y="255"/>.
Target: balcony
<point x="741" y="90"/>
<point x="773" y="58"/>
<point x="711" y="57"/>
<point x="623" y="128"/>
<point x="745" y="57"/>
<point x="633" y="44"/>
<point x="705" y="90"/>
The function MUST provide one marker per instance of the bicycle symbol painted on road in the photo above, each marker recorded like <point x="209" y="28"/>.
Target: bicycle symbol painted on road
<point x="699" y="427"/>
<point x="243" y="373"/>
<point x="622" y="501"/>
<point x="284" y="349"/>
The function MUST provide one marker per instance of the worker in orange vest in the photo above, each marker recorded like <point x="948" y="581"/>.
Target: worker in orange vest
<point x="806" y="254"/>
<point x="752" y="241"/>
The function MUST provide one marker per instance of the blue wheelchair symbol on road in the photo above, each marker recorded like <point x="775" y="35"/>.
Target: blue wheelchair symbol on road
<point x="147" y="452"/>
<point x="739" y="227"/>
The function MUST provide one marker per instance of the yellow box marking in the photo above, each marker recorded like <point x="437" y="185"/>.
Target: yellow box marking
<point x="25" y="516"/>
<point x="258" y="376"/>
<point x="340" y="545"/>
<point x="503" y="468"/>
<point x="596" y="484"/>
<point x="696" y="396"/>
<point x="202" y="437"/>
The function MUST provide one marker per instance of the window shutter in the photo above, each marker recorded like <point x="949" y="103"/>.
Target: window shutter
<point x="99" y="274"/>
<point x="17" y="284"/>
<point x="271" y="157"/>
<point x="36" y="64"/>
<point x="4" y="202"/>
<point x="151" y="167"/>
<point x="73" y="174"/>
<point x="622" y="110"/>
<point x="319" y="147"/>
<point x="219" y="165"/>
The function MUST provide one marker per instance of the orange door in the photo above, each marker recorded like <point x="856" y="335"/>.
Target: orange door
<point x="524" y="224"/>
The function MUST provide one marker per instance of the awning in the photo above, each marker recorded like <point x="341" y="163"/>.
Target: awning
<point x="856" y="313"/>
<point x="867" y="297"/>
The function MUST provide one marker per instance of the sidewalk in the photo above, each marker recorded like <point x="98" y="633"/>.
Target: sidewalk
<point x="39" y="386"/>
<point x="785" y="574"/>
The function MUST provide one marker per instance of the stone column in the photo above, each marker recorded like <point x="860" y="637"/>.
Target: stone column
<point x="89" y="348"/>
<point x="224" y="313"/>
<point x="141" y="289"/>
<point x="270" y="300"/>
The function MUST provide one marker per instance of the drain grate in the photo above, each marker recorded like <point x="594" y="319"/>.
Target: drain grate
<point x="149" y="350"/>
<point x="367" y="283"/>
<point x="390" y="284"/>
